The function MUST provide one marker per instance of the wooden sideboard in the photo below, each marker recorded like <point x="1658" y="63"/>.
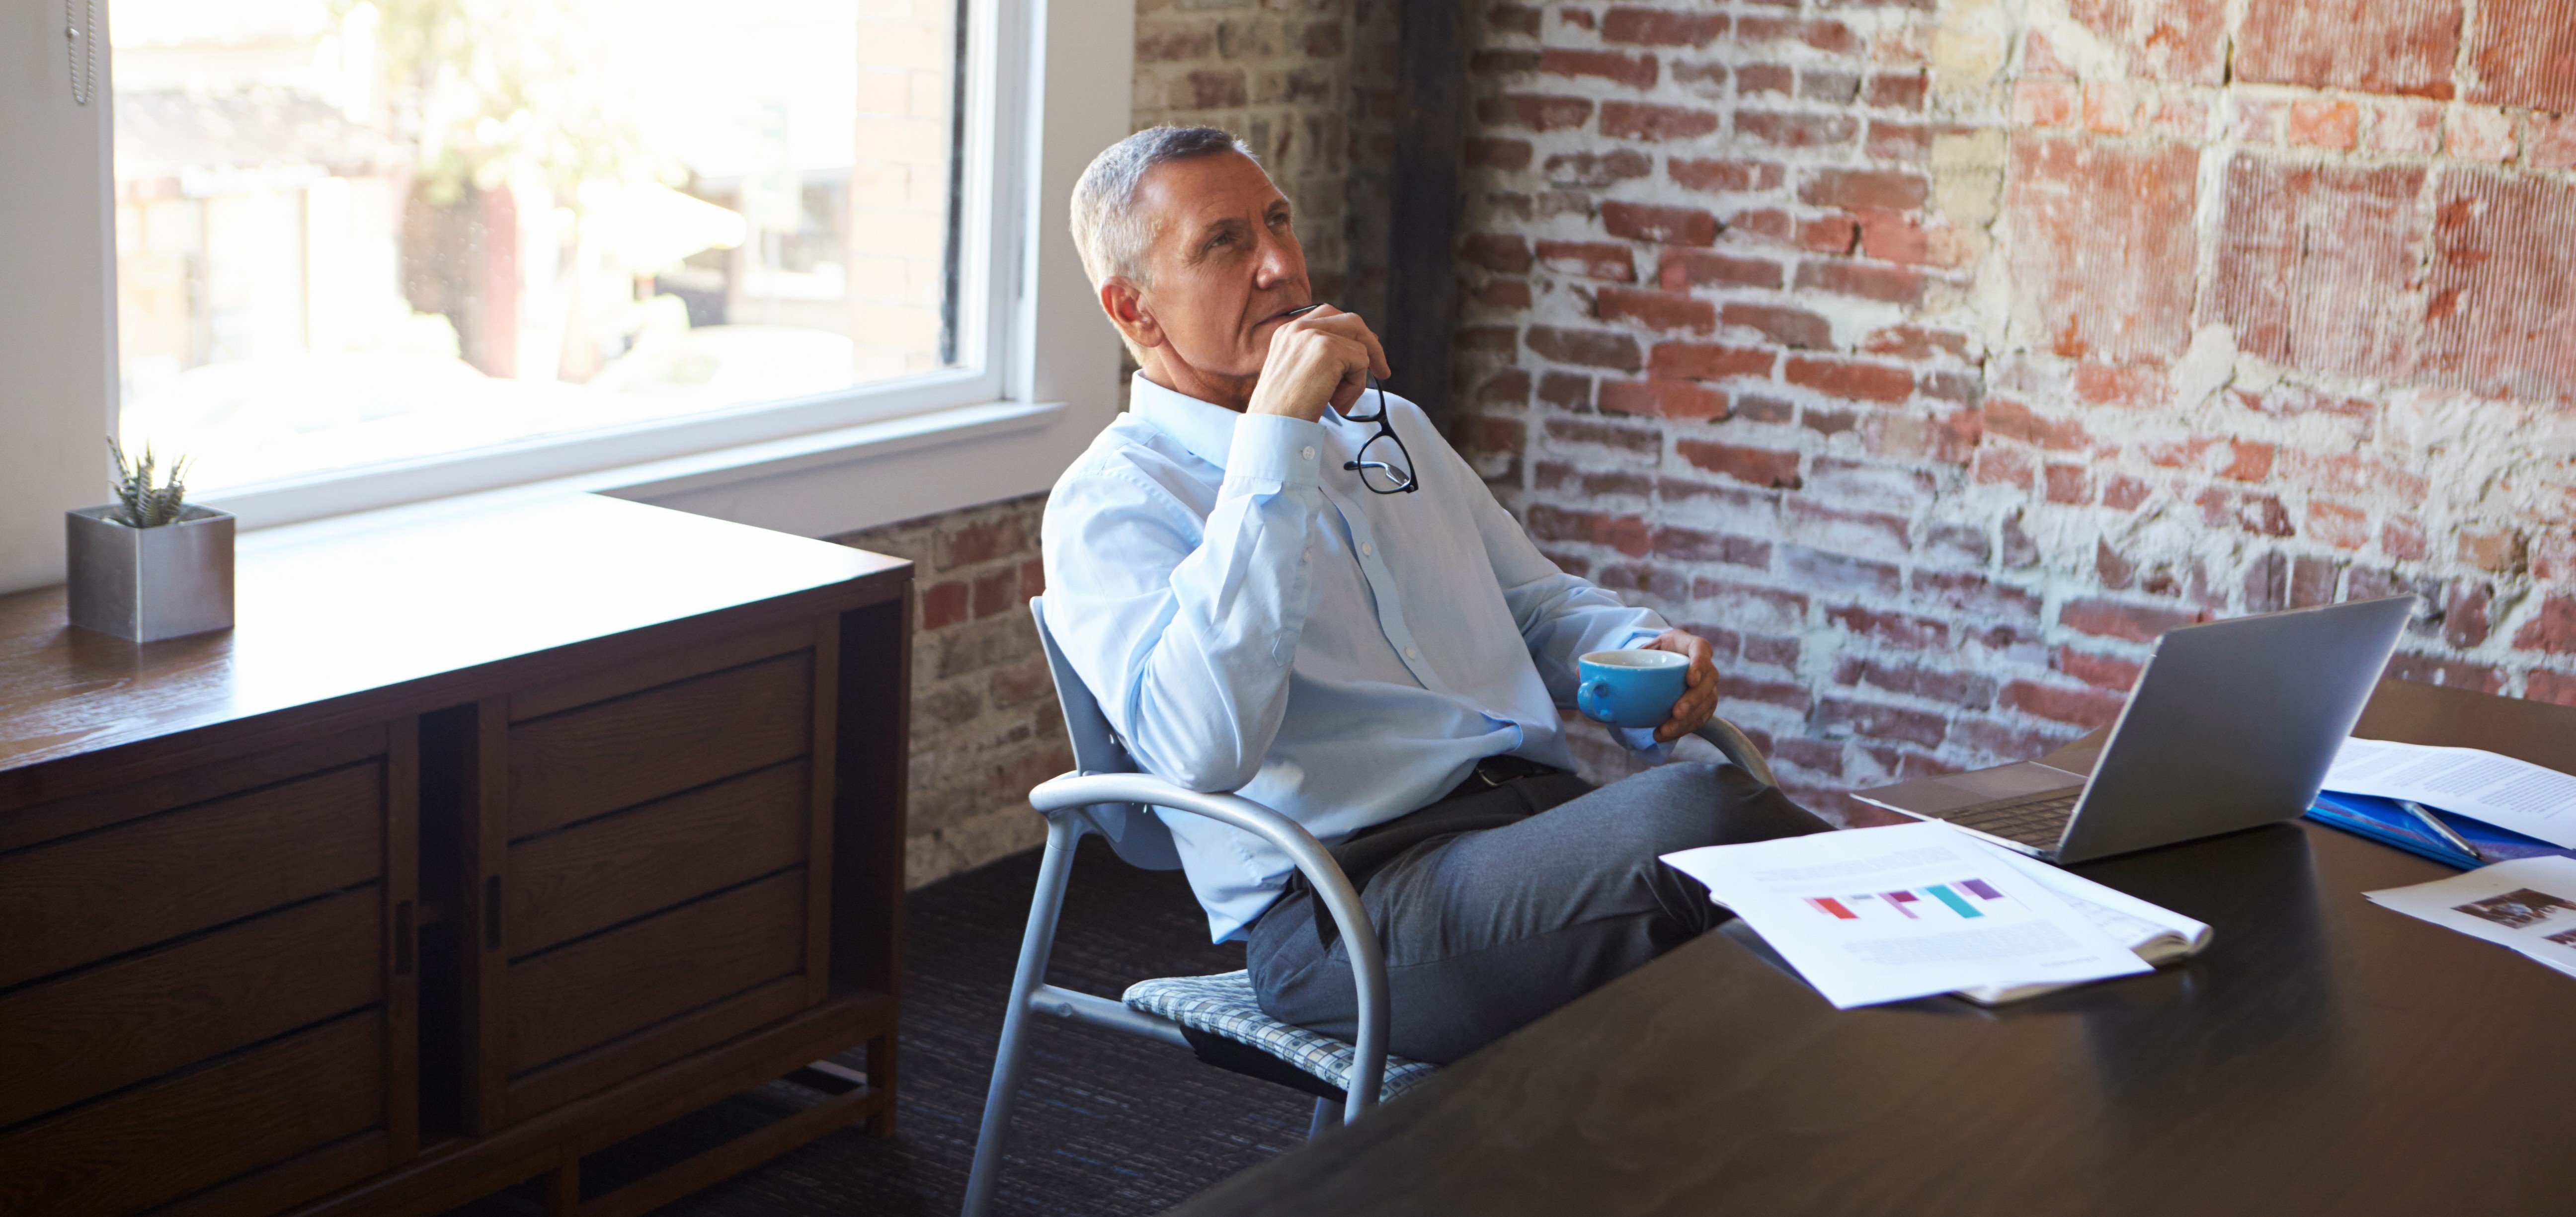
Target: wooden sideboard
<point x="489" y="838"/>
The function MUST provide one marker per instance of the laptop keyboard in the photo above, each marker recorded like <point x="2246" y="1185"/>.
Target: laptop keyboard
<point x="2038" y="821"/>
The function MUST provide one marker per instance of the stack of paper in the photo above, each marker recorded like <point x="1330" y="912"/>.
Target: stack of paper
<point x="2499" y="790"/>
<point x="1875" y="915"/>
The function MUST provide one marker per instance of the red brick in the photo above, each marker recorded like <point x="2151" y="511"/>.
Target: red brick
<point x="1500" y="341"/>
<point x="945" y="604"/>
<point x="2183" y="117"/>
<point x="1634" y="440"/>
<point x="1590" y="259"/>
<point x="2348" y="474"/>
<point x="2337" y="525"/>
<point x="2499" y="549"/>
<point x="1850" y="379"/>
<point x="2405" y="126"/>
<point x="1169" y="46"/>
<point x="979" y="543"/>
<point x="2545" y="686"/>
<point x="1792" y="327"/>
<point x="2553" y="557"/>
<point x="1661" y="27"/>
<point x="1643" y="121"/>
<point x="2553" y="143"/>
<point x="2480" y="135"/>
<point x="2500" y="316"/>
<point x="1829" y="235"/>
<point x="1751" y="606"/>
<point x="2005" y="467"/>
<point x="1753" y="466"/>
<point x="1507" y="155"/>
<point x="1505" y="295"/>
<point x="1504" y="255"/>
<point x="1565" y="389"/>
<point x="1823" y="35"/>
<point x="2402" y="538"/>
<point x="1597" y="170"/>
<point x="996" y="593"/>
<point x="1817" y="570"/>
<point x="1535" y="112"/>
<point x="2180" y="40"/>
<point x="1217" y="90"/>
<point x="1900" y="91"/>
<point x="1636" y="71"/>
<point x="2525" y="55"/>
<point x="2464" y="615"/>
<point x="1588" y="348"/>
<point x="1889" y="237"/>
<point x="2123" y="493"/>
<point x="1864" y="189"/>
<point x="1033" y="577"/>
<point x="1898" y="141"/>
<point x="2104" y="384"/>
<point x="2123" y="620"/>
<point x="2110" y="108"/>
<point x="2247" y="461"/>
<point x="1693" y="545"/>
<point x="1707" y="361"/>
<point x="1682" y="269"/>
<point x="1513" y="18"/>
<point x="1507" y="388"/>
<point x="2082" y="706"/>
<point x="1757" y="78"/>
<point x="2388" y="46"/>
<point x="2044" y="103"/>
<point x="1768" y="224"/>
<point x="1977" y="595"/>
<point x="1914" y="342"/>
<point x="1663" y="398"/>
<point x="1661" y="225"/>
<point x="2107" y="251"/>
<point x="2100" y="671"/>
<point x="2261" y="514"/>
<point x="1872" y="721"/>
<point x="1655" y="310"/>
<point x="2007" y="418"/>
<point x="2259" y="121"/>
<point x="1892" y="284"/>
<point x="2325" y="123"/>
<point x="1722" y="176"/>
<point x="1787" y="695"/>
<point x="1627" y="534"/>
<point x="1895" y="629"/>
<point x="1796" y="130"/>
<point x="2066" y="484"/>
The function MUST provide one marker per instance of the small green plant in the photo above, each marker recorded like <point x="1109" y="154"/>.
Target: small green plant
<point x="141" y="502"/>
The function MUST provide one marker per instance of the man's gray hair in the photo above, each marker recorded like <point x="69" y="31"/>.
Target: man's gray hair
<point x="1107" y="226"/>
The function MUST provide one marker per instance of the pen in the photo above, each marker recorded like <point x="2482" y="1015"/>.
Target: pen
<point x="2440" y="829"/>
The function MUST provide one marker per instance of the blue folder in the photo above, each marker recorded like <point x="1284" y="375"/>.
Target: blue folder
<point x="2382" y="820"/>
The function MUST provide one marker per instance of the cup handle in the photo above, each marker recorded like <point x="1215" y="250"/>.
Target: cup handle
<point x="1593" y="699"/>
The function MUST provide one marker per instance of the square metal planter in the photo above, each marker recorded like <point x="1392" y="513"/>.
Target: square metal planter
<point x="150" y="583"/>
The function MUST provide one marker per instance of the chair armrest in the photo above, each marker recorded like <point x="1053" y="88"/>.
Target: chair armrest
<point x="1737" y="747"/>
<point x="1368" y="965"/>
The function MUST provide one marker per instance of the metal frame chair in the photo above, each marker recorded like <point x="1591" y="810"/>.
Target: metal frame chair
<point x="1107" y="795"/>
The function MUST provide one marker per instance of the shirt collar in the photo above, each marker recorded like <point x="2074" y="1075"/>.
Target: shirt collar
<point x="1205" y="428"/>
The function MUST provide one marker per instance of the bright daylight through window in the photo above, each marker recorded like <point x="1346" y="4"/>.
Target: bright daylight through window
<point x="351" y="232"/>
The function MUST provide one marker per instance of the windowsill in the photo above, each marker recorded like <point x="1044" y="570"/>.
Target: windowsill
<point x="819" y="484"/>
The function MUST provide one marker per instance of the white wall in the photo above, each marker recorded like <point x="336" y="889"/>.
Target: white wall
<point x="57" y="314"/>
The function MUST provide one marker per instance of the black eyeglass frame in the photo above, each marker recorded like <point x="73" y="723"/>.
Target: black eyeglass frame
<point x="1385" y="431"/>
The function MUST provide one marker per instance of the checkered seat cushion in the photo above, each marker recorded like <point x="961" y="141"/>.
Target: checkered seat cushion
<point x="1224" y="1006"/>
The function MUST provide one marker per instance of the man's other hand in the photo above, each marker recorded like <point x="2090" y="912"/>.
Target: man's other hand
<point x="1317" y="359"/>
<point x="1699" y="699"/>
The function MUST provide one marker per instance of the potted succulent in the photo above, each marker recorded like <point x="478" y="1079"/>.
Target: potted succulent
<point x="150" y="565"/>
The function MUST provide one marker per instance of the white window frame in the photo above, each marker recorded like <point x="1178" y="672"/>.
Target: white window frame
<point x="1047" y="87"/>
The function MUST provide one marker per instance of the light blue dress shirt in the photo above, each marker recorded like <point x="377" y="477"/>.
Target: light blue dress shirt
<point x="1251" y="618"/>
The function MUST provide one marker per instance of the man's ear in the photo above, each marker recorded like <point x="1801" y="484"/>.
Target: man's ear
<point x="1124" y="301"/>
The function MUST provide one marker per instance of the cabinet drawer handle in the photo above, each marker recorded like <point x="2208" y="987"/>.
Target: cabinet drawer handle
<point x="492" y="912"/>
<point x="402" y="938"/>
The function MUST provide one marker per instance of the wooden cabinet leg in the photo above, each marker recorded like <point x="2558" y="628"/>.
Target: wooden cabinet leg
<point x="562" y="1187"/>
<point x="881" y="1077"/>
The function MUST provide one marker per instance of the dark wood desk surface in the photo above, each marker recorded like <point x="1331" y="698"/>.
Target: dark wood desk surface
<point x="337" y="609"/>
<point x="2324" y="1056"/>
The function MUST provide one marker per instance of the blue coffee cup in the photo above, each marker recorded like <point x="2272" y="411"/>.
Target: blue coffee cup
<point x="1631" y="688"/>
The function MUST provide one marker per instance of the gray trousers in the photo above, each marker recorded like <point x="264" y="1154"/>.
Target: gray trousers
<point x="1549" y="890"/>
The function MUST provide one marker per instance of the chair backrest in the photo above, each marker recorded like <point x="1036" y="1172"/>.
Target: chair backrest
<point x="1135" y="832"/>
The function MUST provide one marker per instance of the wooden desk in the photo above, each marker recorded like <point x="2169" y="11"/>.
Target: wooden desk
<point x="2324" y="1056"/>
<point x="487" y="839"/>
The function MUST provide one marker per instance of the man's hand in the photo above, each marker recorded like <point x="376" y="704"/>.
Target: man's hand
<point x="1316" y="359"/>
<point x="1699" y="700"/>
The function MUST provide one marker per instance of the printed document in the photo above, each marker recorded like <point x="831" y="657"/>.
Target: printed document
<point x="1871" y="915"/>
<point x="2528" y="904"/>
<point x="2500" y="790"/>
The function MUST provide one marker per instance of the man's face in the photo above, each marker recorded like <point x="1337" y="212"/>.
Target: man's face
<point x="1224" y="266"/>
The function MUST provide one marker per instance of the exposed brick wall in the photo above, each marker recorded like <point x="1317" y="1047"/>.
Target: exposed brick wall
<point x="985" y="726"/>
<point x="1932" y="356"/>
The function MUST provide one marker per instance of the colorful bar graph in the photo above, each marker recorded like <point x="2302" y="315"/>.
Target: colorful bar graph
<point x="1981" y="889"/>
<point x="1942" y="893"/>
<point x="1898" y="901"/>
<point x="1830" y="905"/>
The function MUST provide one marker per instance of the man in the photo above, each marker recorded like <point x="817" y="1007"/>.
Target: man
<point x="1364" y="641"/>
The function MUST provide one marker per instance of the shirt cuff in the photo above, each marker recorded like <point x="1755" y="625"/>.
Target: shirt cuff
<point x="1276" y="448"/>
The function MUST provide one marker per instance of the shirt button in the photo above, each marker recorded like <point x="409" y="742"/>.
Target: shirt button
<point x="1308" y="452"/>
<point x="1410" y="653"/>
<point x="1367" y="550"/>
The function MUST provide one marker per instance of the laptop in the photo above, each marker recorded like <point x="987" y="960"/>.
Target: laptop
<point x="2232" y="725"/>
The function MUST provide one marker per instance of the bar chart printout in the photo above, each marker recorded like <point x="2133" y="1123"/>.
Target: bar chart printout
<point x="1870" y="915"/>
<point x="1961" y="898"/>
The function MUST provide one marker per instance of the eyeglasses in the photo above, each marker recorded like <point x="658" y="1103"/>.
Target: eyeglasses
<point x="1383" y="465"/>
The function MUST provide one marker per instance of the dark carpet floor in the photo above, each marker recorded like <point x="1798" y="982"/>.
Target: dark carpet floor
<point x="1107" y="1124"/>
